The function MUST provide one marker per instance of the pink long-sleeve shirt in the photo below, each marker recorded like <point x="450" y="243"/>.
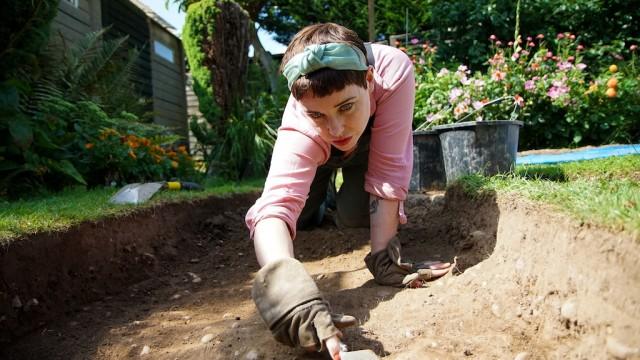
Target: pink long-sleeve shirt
<point x="299" y="149"/>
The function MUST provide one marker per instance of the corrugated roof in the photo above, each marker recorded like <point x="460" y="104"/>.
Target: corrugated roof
<point x="155" y="17"/>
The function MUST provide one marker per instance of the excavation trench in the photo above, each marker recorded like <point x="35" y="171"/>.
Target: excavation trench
<point x="174" y="282"/>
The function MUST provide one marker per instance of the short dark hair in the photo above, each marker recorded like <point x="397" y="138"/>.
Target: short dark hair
<point x="325" y="81"/>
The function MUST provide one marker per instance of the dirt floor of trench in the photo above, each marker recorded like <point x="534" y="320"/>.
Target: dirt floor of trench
<point x="530" y="283"/>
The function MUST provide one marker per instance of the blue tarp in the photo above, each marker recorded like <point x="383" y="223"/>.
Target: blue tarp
<point x="586" y="154"/>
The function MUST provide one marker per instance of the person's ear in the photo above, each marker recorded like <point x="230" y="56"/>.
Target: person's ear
<point x="370" y="78"/>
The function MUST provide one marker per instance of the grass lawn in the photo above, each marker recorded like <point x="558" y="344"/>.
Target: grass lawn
<point x="75" y="205"/>
<point x="604" y="192"/>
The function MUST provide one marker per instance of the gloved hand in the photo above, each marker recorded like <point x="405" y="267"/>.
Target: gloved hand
<point x="388" y="268"/>
<point x="292" y="306"/>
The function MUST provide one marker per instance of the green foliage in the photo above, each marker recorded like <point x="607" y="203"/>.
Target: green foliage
<point x="24" y="30"/>
<point x="562" y="104"/>
<point x="50" y="122"/>
<point x="245" y="148"/>
<point x="460" y="27"/>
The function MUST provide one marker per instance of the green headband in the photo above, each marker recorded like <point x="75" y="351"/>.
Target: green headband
<point x="338" y="56"/>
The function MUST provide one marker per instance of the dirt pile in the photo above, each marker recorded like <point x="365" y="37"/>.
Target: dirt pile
<point x="530" y="284"/>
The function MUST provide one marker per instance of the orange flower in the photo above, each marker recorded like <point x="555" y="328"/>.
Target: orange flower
<point x="89" y="146"/>
<point x="535" y="66"/>
<point x="612" y="83"/>
<point x="145" y="141"/>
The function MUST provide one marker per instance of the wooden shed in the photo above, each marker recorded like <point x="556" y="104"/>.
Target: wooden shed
<point x="161" y="69"/>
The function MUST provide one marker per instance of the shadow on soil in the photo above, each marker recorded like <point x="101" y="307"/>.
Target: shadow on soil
<point x="210" y="243"/>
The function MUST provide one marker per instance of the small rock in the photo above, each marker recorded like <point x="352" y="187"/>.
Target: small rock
<point x="16" y="303"/>
<point x="468" y="352"/>
<point x="522" y="356"/>
<point x="321" y="276"/>
<point x="235" y="325"/>
<point x="437" y="199"/>
<point x="620" y="350"/>
<point x="495" y="310"/>
<point x="569" y="310"/>
<point x="520" y="264"/>
<point x="227" y="316"/>
<point x="31" y="304"/>
<point x="194" y="260"/>
<point x="194" y="278"/>
<point x="145" y="350"/>
<point x="434" y="344"/>
<point x="176" y="297"/>
<point x="252" y="355"/>
<point x="205" y="339"/>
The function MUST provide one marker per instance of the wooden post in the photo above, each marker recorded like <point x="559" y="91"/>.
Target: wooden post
<point x="372" y="20"/>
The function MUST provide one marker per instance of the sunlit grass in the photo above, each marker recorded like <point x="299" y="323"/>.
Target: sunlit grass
<point x="605" y="192"/>
<point x="72" y="206"/>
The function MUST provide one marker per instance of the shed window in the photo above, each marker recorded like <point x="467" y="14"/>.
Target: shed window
<point x="73" y="3"/>
<point x="163" y="50"/>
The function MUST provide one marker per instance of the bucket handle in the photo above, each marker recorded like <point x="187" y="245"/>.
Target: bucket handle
<point x="425" y="125"/>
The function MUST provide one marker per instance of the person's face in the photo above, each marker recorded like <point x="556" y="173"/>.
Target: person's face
<point x="340" y="118"/>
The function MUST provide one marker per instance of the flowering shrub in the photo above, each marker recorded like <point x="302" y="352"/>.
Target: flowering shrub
<point x="560" y="102"/>
<point x="105" y="149"/>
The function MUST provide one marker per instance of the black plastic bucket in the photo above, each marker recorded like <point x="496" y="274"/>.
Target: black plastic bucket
<point x="428" y="167"/>
<point x="479" y="147"/>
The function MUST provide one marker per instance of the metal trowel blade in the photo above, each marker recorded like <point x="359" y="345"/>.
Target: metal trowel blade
<point x="358" y="355"/>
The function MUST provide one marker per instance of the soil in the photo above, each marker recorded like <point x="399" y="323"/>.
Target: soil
<point x="174" y="282"/>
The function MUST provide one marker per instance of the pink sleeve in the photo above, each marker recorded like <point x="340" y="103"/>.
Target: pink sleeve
<point x="391" y="149"/>
<point x="296" y="156"/>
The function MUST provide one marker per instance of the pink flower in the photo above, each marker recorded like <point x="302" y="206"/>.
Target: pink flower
<point x="454" y="94"/>
<point x="531" y="44"/>
<point x="498" y="75"/>
<point x="555" y="92"/>
<point x="515" y="56"/>
<point x="414" y="41"/>
<point x="548" y="54"/>
<point x="560" y="36"/>
<point x="492" y="38"/>
<point x="510" y="43"/>
<point x="540" y="36"/>
<point x="478" y="105"/>
<point x="478" y="83"/>
<point x="529" y="38"/>
<point x="460" y="109"/>
<point x="580" y="48"/>
<point x="498" y="43"/>
<point x="572" y="37"/>
<point x="529" y="85"/>
<point x="633" y="47"/>
<point x="463" y="69"/>
<point x="519" y="100"/>
<point x="497" y="59"/>
<point x="565" y="65"/>
<point x="442" y="72"/>
<point x="571" y="59"/>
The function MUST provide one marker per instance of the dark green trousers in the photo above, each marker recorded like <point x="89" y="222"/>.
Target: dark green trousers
<point x="351" y="202"/>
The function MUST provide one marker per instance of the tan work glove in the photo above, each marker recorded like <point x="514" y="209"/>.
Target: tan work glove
<point x="388" y="268"/>
<point x="292" y="306"/>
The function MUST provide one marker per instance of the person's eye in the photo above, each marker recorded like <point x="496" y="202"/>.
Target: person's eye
<point x="346" y="107"/>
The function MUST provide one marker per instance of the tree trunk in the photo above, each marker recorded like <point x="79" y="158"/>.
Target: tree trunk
<point x="265" y="60"/>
